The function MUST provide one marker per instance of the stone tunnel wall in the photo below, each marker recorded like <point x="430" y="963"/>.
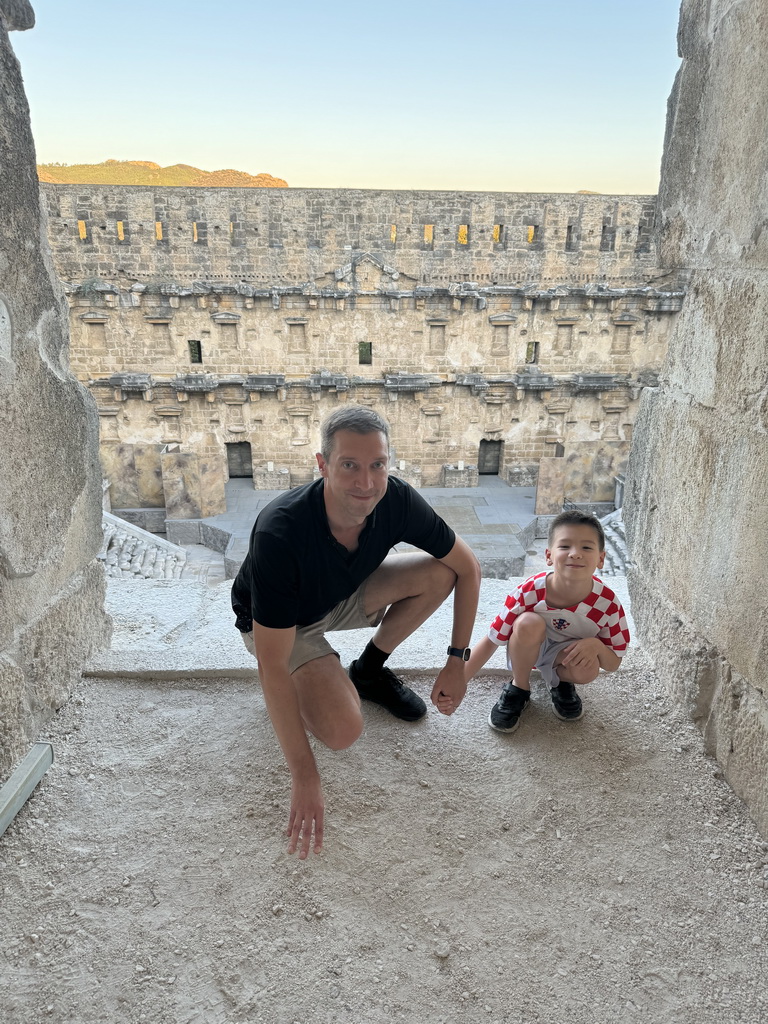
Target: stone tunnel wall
<point x="697" y="495"/>
<point x="51" y="585"/>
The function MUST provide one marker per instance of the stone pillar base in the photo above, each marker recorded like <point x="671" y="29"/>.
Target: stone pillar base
<point x="452" y="476"/>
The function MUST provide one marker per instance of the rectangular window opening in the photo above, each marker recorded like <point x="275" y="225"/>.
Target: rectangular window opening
<point x="532" y="233"/>
<point x="498" y="233"/>
<point x="195" y="352"/>
<point x="463" y="234"/>
<point x="365" y="353"/>
<point x="159" y="230"/>
<point x="393" y="233"/>
<point x="429" y="234"/>
<point x="194" y="231"/>
<point x="532" y="352"/>
<point x="608" y="238"/>
<point x="82" y="230"/>
<point x="120" y="231"/>
<point x="570" y="239"/>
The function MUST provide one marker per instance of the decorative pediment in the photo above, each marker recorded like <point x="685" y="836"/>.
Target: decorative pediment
<point x="225" y="318"/>
<point x="365" y="273"/>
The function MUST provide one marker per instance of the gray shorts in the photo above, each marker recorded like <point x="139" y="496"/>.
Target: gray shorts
<point x="545" y="662"/>
<point x="310" y="642"/>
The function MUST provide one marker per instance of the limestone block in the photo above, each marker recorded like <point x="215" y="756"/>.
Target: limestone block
<point x="38" y="674"/>
<point x="181" y="485"/>
<point x="149" y="477"/>
<point x="117" y="460"/>
<point x="452" y="476"/>
<point x="731" y="712"/>
<point x="183" y="531"/>
<point x="550" y="486"/>
<point x="278" y="479"/>
<point x="410" y="473"/>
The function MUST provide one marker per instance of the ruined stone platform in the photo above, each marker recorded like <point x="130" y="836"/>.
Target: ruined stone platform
<point x="497" y="521"/>
<point x="174" y="629"/>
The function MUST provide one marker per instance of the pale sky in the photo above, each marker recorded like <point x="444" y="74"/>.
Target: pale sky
<point x="497" y="95"/>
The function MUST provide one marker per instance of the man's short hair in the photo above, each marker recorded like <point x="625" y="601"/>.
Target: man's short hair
<point x="575" y="517"/>
<point x="357" y="418"/>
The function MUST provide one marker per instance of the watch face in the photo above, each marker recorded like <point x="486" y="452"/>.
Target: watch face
<point x="460" y="652"/>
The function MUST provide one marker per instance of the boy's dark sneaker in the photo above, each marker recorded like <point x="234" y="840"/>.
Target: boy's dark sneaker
<point x="566" y="702"/>
<point x="385" y="689"/>
<point x="505" y="713"/>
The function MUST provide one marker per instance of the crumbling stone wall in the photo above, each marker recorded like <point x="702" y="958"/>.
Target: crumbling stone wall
<point x="697" y="497"/>
<point x="51" y="586"/>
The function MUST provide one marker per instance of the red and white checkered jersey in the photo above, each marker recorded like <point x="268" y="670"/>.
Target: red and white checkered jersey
<point x="600" y="614"/>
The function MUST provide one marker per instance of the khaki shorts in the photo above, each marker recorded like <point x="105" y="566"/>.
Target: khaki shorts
<point x="310" y="642"/>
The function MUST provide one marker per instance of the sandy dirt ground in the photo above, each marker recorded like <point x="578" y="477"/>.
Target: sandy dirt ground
<point x="572" y="873"/>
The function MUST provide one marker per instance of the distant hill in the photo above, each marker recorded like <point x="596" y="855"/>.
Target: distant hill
<point x="144" y="172"/>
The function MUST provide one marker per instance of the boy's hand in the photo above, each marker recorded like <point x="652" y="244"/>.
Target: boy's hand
<point x="584" y="655"/>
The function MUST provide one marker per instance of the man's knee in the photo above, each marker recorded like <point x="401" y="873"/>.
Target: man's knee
<point x="342" y="734"/>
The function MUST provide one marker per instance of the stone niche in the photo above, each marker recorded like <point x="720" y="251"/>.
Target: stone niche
<point x="51" y="584"/>
<point x="697" y="486"/>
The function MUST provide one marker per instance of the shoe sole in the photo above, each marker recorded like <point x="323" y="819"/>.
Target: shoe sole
<point x="498" y="728"/>
<point x="568" y="718"/>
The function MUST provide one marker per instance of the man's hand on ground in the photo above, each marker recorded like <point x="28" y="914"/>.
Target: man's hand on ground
<point x="307" y="811"/>
<point x="450" y="687"/>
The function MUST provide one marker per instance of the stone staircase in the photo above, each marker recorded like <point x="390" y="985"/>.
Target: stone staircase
<point x="131" y="552"/>
<point x="616" y="551"/>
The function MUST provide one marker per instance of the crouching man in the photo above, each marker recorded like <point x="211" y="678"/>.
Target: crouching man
<point x="320" y="560"/>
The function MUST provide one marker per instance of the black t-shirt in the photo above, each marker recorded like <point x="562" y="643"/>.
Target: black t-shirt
<point x="296" y="571"/>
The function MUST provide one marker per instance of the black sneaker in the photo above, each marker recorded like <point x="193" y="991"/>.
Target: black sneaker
<point x="505" y="713"/>
<point x="389" y="692"/>
<point x="566" y="702"/>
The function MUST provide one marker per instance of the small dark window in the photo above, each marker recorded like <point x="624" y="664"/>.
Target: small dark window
<point x="365" y="353"/>
<point x="195" y="352"/>
<point x="608" y="238"/>
<point x="570" y="239"/>
<point x="532" y="352"/>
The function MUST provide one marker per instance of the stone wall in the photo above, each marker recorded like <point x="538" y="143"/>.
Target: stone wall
<point x="51" y="585"/>
<point x="494" y="329"/>
<point x="697" y="491"/>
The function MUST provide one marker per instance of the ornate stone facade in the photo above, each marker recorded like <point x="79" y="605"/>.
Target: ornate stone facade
<point x="499" y="332"/>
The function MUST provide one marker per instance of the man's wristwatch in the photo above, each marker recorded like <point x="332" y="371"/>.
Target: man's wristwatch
<point x="460" y="652"/>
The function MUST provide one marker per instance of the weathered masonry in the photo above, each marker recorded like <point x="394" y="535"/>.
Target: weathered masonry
<point x="498" y="332"/>
<point x="51" y="581"/>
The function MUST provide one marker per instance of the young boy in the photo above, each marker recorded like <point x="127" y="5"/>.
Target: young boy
<point x="566" y="623"/>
